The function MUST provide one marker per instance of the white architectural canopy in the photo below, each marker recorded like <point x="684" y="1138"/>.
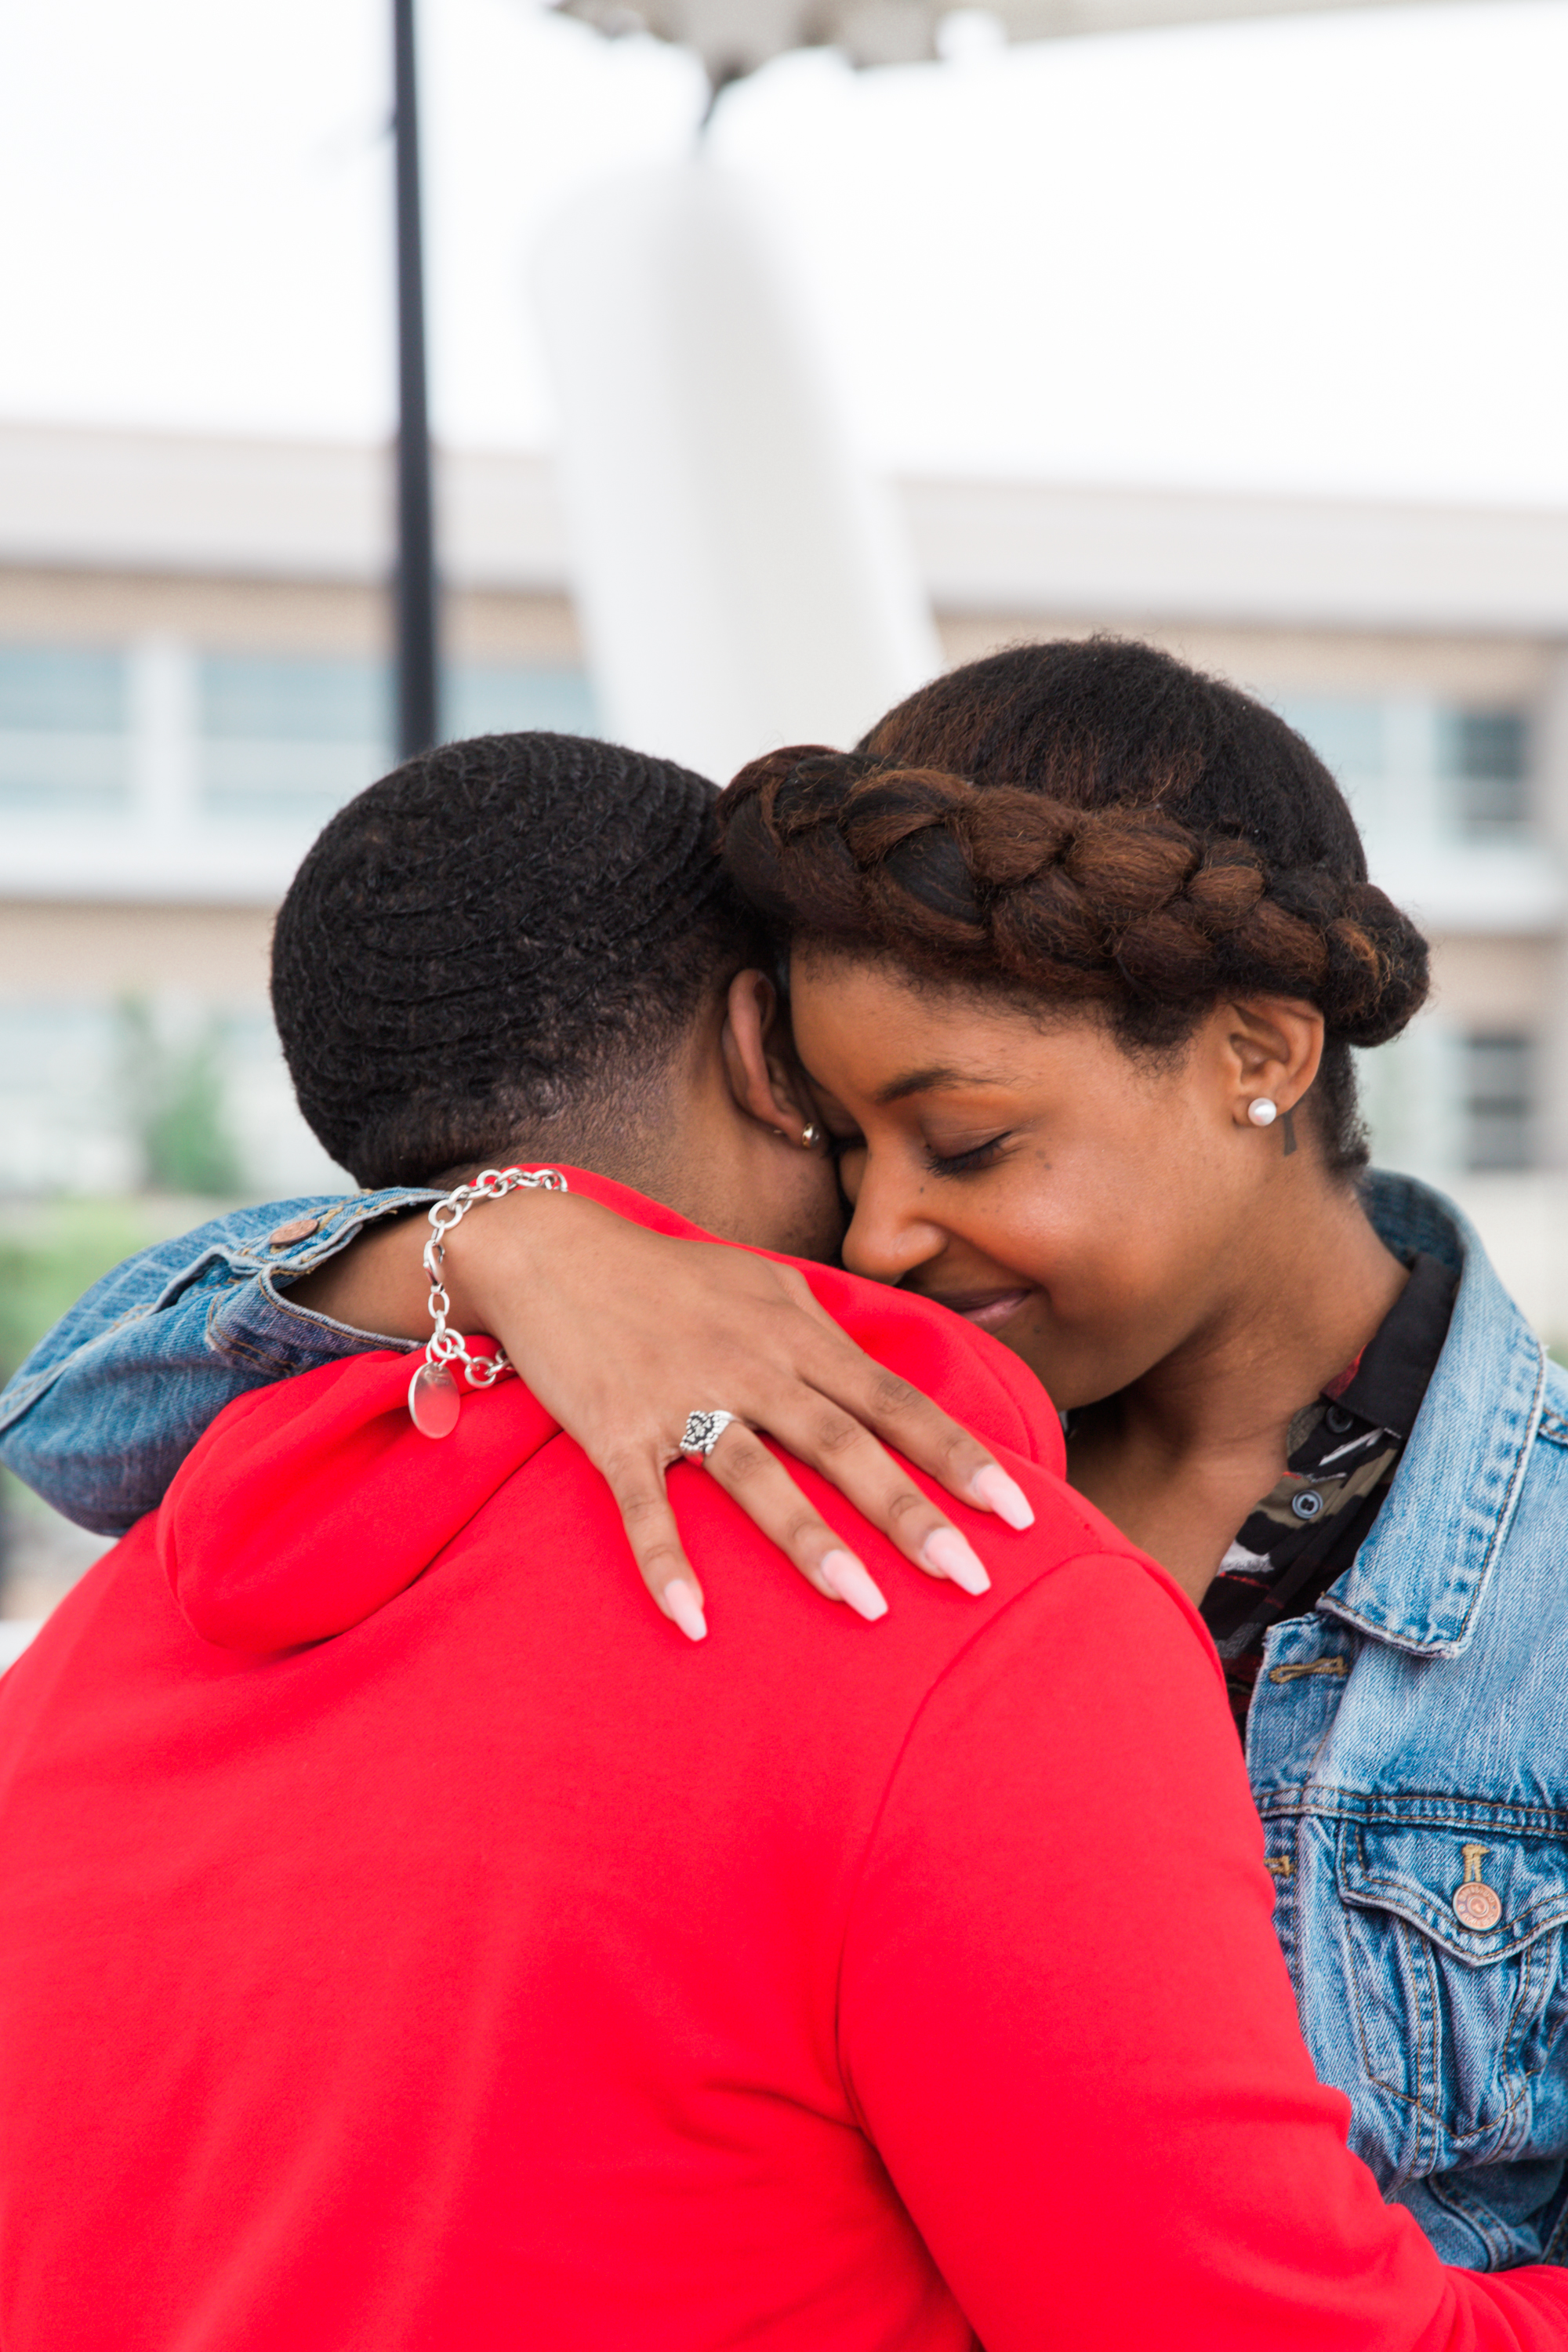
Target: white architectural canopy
<point x="740" y="581"/>
<point x="735" y="37"/>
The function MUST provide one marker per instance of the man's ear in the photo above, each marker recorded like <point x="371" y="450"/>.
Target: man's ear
<point x="759" y="1058"/>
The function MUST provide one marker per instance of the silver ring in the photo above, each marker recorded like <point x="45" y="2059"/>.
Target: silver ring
<point x="702" y="1433"/>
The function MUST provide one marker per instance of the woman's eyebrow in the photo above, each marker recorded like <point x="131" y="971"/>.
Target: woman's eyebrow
<point x="919" y="1082"/>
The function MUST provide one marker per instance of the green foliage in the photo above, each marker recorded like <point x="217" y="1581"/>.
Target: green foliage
<point x="173" y="1099"/>
<point x="50" y="1255"/>
<point x="50" y="1252"/>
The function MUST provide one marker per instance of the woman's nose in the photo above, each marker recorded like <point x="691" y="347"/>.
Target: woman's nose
<point x="888" y="1237"/>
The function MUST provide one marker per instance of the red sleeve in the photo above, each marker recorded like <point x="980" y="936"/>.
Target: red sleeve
<point x="1068" y="2026"/>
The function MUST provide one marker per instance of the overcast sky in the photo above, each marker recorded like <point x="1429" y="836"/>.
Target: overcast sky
<point x="1317" y="253"/>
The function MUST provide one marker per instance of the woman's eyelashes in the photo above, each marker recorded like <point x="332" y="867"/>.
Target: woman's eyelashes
<point x="963" y="1163"/>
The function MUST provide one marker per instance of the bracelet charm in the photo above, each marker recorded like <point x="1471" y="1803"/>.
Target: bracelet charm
<point x="435" y="1399"/>
<point x="434" y="1403"/>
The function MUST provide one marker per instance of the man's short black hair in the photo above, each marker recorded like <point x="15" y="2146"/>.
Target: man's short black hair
<point x="494" y="934"/>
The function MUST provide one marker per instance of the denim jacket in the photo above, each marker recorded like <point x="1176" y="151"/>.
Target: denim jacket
<point x="111" y="1401"/>
<point x="1410" y="1735"/>
<point x="1407" y="1739"/>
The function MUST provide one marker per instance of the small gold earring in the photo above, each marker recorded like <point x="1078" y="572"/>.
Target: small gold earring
<point x="811" y="1136"/>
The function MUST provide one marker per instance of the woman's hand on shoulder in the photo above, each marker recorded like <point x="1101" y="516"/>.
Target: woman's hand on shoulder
<point x="621" y="1332"/>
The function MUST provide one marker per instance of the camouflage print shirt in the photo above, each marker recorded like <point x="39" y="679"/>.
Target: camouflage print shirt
<point x="1342" y="1451"/>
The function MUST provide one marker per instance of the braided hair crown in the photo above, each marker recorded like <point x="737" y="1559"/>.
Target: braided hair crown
<point x="1086" y="821"/>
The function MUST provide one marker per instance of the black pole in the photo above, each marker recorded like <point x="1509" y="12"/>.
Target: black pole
<point x="418" y="698"/>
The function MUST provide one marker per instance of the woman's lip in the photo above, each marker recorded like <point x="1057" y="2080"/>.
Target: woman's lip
<point x="987" y="1308"/>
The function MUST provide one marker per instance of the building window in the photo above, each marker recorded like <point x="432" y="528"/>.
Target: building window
<point x="487" y="698"/>
<point x="1347" y="735"/>
<point x="1498" y="1100"/>
<point x="171" y="1093"/>
<point x="294" y="698"/>
<point x="289" y="737"/>
<point x="1485" y="760"/>
<point x="64" y="741"/>
<point x="181" y="743"/>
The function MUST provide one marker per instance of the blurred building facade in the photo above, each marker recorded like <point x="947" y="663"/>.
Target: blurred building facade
<point x="193" y="675"/>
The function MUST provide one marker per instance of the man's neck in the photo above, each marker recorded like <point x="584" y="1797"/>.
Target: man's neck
<point x="619" y="1141"/>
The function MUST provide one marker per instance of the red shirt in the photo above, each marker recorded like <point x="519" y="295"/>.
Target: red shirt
<point x="408" y="1941"/>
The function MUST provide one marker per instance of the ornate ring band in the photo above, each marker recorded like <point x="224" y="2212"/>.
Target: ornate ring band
<point x="702" y="1433"/>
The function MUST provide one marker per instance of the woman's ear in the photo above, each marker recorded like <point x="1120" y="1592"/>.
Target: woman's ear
<point x="1274" y="1050"/>
<point x="759" y="1058"/>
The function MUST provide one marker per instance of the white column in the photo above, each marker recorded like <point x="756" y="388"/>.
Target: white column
<point x="741" y="581"/>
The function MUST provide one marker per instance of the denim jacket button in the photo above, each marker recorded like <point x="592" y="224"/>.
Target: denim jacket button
<point x="1478" y="1905"/>
<point x="298" y="1229"/>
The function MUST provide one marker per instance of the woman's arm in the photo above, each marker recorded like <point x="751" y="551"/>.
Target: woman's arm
<point x="619" y="1330"/>
<point x="111" y="1400"/>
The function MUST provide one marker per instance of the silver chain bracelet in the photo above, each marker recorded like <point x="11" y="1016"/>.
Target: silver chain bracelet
<point x="435" y="1400"/>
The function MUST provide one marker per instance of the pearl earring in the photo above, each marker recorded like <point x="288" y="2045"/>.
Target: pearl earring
<point x="810" y="1136"/>
<point x="1262" y="1112"/>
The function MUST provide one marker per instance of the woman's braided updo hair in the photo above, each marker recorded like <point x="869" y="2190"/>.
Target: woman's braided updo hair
<point x="1095" y="823"/>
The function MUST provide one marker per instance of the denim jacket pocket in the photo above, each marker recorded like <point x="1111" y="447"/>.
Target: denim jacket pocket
<point x="1456" y="1971"/>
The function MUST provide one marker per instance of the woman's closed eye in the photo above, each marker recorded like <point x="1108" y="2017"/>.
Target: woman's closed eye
<point x="973" y="1157"/>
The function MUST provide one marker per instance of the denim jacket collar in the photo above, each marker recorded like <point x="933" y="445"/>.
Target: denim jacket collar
<point x="1467" y="1453"/>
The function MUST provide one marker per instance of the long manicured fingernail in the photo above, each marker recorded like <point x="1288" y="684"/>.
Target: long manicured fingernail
<point x="1004" y="1495"/>
<point x="945" y="1550"/>
<point x="852" y="1583"/>
<point x="678" y="1601"/>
